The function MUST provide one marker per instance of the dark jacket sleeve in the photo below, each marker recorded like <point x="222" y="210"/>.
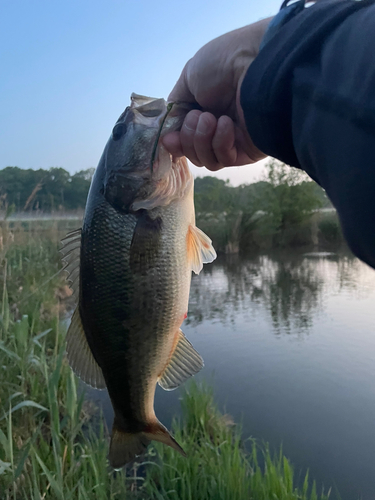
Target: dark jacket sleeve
<point x="309" y="100"/>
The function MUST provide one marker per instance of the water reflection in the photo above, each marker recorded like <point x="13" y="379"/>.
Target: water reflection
<point x="289" y="286"/>
<point x="291" y="341"/>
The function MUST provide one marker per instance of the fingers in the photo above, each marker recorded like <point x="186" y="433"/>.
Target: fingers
<point x="196" y="138"/>
<point x="208" y="141"/>
<point x="204" y="141"/>
<point x="223" y="142"/>
<point x="173" y="144"/>
<point x="187" y="135"/>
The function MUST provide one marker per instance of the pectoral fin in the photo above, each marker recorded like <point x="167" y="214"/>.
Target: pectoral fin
<point x="145" y="245"/>
<point x="199" y="248"/>
<point x="80" y="356"/>
<point x="184" y="363"/>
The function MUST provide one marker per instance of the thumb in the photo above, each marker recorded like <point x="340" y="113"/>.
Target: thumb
<point x="181" y="91"/>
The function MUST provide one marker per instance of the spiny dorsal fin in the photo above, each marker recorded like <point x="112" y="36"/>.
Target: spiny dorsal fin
<point x="71" y="250"/>
<point x="184" y="363"/>
<point x="200" y="249"/>
<point x="80" y="356"/>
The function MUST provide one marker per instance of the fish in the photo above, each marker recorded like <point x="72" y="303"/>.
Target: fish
<point x="130" y="268"/>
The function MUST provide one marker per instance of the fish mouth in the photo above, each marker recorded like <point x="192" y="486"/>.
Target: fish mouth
<point x="172" y="121"/>
<point x="169" y="109"/>
<point x="158" y="113"/>
<point x="140" y="172"/>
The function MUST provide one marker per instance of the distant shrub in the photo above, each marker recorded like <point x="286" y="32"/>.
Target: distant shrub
<point x="330" y="229"/>
<point x="223" y="229"/>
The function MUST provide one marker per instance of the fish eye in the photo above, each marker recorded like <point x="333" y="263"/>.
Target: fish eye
<point x="118" y="131"/>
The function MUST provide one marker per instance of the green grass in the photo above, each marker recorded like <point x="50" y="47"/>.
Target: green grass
<point x="53" y="444"/>
<point x="48" y="447"/>
<point x="217" y="466"/>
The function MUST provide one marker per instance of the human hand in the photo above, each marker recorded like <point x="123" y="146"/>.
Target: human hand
<point x="217" y="137"/>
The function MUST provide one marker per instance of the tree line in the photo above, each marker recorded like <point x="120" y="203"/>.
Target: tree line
<point x="43" y="190"/>
<point x="275" y="211"/>
<point x="57" y="189"/>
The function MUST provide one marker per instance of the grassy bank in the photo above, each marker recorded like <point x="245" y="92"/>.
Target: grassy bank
<point x="53" y="444"/>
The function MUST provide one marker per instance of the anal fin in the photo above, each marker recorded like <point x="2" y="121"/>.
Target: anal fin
<point x="80" y="356"/>
<point x="184" y="363"/>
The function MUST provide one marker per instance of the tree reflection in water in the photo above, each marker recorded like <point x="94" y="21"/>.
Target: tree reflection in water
<point x="290" y="287"/>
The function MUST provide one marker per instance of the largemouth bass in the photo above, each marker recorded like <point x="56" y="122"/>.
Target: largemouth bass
<point x="130" y="268"/>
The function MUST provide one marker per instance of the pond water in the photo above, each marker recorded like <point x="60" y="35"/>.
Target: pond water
<point x="289" y="346"/>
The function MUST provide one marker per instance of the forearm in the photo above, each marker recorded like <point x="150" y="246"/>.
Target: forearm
<point x="309" y="100"/>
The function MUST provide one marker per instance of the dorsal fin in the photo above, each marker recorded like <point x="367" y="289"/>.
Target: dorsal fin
<point x="199" y="248"/>
<point x="80" y="356"/>
<point x="184" y="363"/>
<point x="71" y="250"/>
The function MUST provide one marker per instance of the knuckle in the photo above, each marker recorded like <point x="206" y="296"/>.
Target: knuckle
<point x="225" y="157"/>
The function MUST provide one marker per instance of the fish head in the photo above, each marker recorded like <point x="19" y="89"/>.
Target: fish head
<point x="136" y="164"/>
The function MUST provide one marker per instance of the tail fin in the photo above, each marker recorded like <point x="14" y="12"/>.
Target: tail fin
<point x="126" y="446"/>
<point x="157" y="432"/>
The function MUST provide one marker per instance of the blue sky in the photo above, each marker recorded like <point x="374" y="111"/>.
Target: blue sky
<point x="68" y="68"/>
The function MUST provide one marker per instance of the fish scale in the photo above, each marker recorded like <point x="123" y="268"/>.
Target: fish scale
<point x="150" y="297"/>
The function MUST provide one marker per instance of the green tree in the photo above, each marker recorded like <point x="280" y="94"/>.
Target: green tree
<point x="16" y="184"/>
<point x="212" y="195"/>
<point x="288" y="201"/>
<point x="44" y="190"/>
<point x="76" y="195"/>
